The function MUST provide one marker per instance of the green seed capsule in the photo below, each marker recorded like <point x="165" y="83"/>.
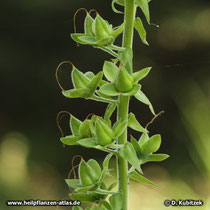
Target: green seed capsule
<point x="102" y="28"/>
<point x="75" y="125"/>
<point x="79" y="79"/>
<point x="87" y="174"/>
<point x="84" y="129"/>
<point x="105" y="41"/>
<point x="107" y="129"/>
<point x="88" y="25"/>
<point x="104" y="134"/>
<point x="124" y="81"/>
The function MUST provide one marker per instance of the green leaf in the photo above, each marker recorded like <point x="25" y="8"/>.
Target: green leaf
<point x="74" y="125"/>
<point x="144" y="137"/>
<point x="156" y="158"/>
<point x="95" y="81"/>
<point x="115" y="47"/>
<point x="126" y="57"/>
<point x="106" y="161"/>
<point x="77" y="93"/>
<point x="84" y="129"/>
<point x="86" y="197"/>
<point x="134" y="124"/>
<point x="105" y="41"/>
<point x="139" y="75"/>
<point x="98" y="207"/>
<point x="144" y="5"/>
<point x="106" y="205"/>
<point x="109" y="89"/>
<point x="85" y="188"/>
<point x="110" y="71"/>
<point x="91" y="124"/>
<point x="116" y="124"/>
<point x="142" y="97"/>
<point x="102" y="186"/>
<point x="73" y="183"/>
<point x="136" y="146"/>
<point x="120" y="128"/>
<point x="139" y="178"/>
<point x="152" y="145"/>
<point x="105" y="167"/>
<point x="133" y="91"/>
<point x="95" y="166"/>
<point x="70" y="140"/>
<point x="90" y="75"/>
<point x="128" y="153"/>
<point x="103" y="192"/>
<point x="89" y="25"/>
<point x="102" y="82"/>
<point x="109" y="111"/>
<point x="116" y="201"/>
<point x="87" y="142"/>
<point x="105" y="96"/>
<point x="76" y="37"/>
<point x="118" y="31"/>
<point x="112" y="186"/>
<point x="141" y="31"/>
<point x="77" y="208"/>
<point x="91" y="40"/>
<point x="79" y="79"/>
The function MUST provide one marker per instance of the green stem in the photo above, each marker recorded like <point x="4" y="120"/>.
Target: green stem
<point x="123" y="107"/>
<point x="130" y="13"/>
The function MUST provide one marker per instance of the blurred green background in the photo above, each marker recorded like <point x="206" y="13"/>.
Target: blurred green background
<point x="34" y="39"/>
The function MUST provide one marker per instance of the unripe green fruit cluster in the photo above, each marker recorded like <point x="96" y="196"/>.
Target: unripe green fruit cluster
<point x="87" y="173"/>
<point x="97" y="32"/>
<point x="98" y="132"/>
<point x="104" y="134"/>
<point x="124" y="81"/>
<point x="94" y="131"/>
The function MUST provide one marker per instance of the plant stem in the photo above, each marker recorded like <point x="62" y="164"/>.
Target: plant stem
<point x="130" y="13"/>
<point x="123" y="107"/>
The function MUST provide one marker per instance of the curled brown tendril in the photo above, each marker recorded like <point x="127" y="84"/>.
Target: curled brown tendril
<point x="91" y="114"/>
<point x="75" y="14"/>
<point x="93" y="10"/>
<point x="157" y="115"/>
<point x="57" y="70"/>
<point x="73" y="168"/>
<point x="57" y="120"/>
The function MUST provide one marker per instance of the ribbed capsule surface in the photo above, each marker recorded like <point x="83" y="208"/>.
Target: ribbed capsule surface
<point x="84" y="129"/>
<point x="79" y="79"/>
<point x="88" y="25"/>
<point x="102" y="28"/>
<point x="104" y="134"/>
<point x="87" y="174"/>
<point x="124" y="82"/>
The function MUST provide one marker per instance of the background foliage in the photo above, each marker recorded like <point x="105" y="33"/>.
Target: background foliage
<point x="34" y="38"/>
